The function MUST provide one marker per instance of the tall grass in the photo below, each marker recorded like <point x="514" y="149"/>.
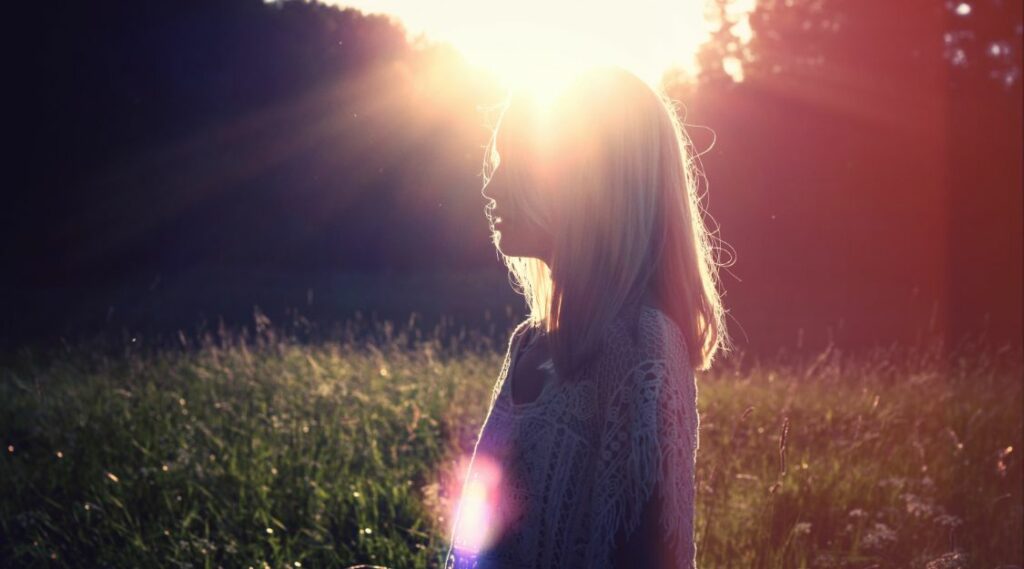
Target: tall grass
<point x="255" y="450"/>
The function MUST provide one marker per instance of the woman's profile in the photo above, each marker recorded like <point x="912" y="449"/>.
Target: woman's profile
<point x="586" y="457"/>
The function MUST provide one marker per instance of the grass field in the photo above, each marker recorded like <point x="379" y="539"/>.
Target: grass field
<point x="252" y="450"/>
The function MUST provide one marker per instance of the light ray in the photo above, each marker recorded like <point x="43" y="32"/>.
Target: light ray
<point x="535" y="44"/>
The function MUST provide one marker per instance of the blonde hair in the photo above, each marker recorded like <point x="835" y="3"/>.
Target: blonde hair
<point x="618" y="178"/>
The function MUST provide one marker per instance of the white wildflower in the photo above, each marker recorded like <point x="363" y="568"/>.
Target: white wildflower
<point x="878" y="536"/>
<point x="951" y="560"/>
<point x="917" y="506"/>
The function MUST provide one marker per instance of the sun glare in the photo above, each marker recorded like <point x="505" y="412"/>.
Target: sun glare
<point x="536" y="44"/>
<point x="476" y="520"/>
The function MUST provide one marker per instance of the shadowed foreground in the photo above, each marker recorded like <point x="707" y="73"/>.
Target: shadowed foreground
<point x="253" y="450"/>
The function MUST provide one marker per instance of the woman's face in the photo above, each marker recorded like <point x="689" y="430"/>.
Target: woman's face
<point x="514" y="184"/>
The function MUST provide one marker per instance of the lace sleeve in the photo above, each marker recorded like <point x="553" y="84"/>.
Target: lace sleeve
<point x="649" y="439"/>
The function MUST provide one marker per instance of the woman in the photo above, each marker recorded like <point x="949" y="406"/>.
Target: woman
<point x="586" y="457"/>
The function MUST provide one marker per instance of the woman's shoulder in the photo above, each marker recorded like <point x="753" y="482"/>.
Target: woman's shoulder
<point x="633" y="337"/>
<point x="635" y="342"/>
<point x="521" y="330"/>
<point x="658" y="334"/>
<point x="647" y="332"/>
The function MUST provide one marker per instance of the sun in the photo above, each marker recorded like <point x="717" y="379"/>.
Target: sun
<point x="537" y="45"/>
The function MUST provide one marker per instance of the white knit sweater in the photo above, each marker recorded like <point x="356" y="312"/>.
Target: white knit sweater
<point x="552" y="481"/>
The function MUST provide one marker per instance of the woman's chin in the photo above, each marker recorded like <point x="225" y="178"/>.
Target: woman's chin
<point x="512" y="244"/>
<point x="507" y="246"/>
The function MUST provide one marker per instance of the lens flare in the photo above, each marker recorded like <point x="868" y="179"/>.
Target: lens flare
<point x="476" y="520"/>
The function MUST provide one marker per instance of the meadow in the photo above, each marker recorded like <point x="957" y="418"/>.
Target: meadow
<point x="255" y="449"/>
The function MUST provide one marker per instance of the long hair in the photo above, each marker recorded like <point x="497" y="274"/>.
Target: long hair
<point x="620" y="197"/>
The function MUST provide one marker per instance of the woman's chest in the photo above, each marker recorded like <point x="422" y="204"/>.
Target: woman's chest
<point x="549" y="434"/>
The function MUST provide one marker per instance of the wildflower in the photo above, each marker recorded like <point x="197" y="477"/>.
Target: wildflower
<point x="1000" y="463"/>
<point x="112" y="477"/>
<point x="948" y="520"/>
<point x="917" y="507"/>
<point x="951" y="560"/>
<point x="825" y="561"/>
<point x="878" y="536"/>
<point x="897" y="482"/>
<point x="270" y="531"/>
<point x="858" y="513"/>
<point x="802" y="528"/>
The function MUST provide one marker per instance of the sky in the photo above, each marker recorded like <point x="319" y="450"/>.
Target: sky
<point x="537" y="43"/>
